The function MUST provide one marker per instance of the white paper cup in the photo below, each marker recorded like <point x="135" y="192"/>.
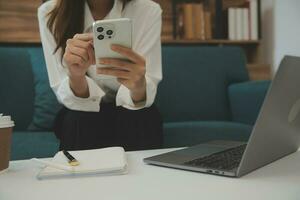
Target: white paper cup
<point x="6" y="128"/>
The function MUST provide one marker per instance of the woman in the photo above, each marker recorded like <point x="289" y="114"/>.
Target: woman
<point x="100" y="111"/>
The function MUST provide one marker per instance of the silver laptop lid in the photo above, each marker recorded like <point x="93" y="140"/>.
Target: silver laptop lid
<point x="277" y="129"/>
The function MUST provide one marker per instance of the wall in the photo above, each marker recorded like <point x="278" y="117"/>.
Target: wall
<point x="287" y="29"/>
<point x="281" y="30"/>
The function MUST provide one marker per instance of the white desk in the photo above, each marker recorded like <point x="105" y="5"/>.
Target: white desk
<point x="279" y="180"/>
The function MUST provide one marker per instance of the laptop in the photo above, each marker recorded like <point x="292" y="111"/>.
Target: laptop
<point x="275" y="134"/>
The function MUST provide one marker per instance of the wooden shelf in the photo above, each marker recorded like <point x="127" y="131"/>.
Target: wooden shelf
<point x="259" y="71"/>
<point x="216" y="42"/>
<point x="20" y="41"/>
<point x="19" y="21"/>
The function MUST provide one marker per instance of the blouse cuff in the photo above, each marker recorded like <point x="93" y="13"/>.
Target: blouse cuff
<point x="90" y="104"/>
<point x="124" y="99"/>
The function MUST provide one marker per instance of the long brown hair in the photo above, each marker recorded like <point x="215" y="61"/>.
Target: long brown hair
<point x="66" y="19"/>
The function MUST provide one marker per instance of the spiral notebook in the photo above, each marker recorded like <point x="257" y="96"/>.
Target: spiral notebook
<point x="106" y="161"/>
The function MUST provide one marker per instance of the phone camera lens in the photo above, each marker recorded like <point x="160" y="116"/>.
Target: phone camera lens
<point x="100" y="29"/>
<point x="109" y="32"/>
<point x="100" y="37"/>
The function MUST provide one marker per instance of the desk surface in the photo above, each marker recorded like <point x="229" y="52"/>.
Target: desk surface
<point x="279" y="180"/>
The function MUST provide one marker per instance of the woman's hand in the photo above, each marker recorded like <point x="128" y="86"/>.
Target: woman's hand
<point x="79" y="56"/>
<point x="130" y="73"/>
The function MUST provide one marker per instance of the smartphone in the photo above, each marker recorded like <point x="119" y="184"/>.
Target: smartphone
<point x="108" y="32"/>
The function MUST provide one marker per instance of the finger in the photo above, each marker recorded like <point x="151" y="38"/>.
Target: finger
<point x="74" y="59"/>
<point x="92" y="44"/>
<point x="79" y="52"/>
<point x="114" y="72"/>
<point x="119" y="63"/>
<point x="91" y="55"/>
<point x="122" y="81"/>
<point x="78" y="43"/>
<point x="128" y="53"/>
<point x="84" y="36"/>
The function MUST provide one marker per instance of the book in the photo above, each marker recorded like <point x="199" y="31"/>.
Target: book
<point x="253" y="19"/>
<point x="179" y="22"/>
<point x="245" y="24"/>
<point x="208" y="26"/>
<point x="199" y="21"/>
<point x="167" y="19"/>
<point x="232" y="27"/>
<point x="239" y="23"/>
<point x="188" y="21"/>
<point x="259" y="34"/>
<point x="218" y="19"/>
<point x="106" y="161"/>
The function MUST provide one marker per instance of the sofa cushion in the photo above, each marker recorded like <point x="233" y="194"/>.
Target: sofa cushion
<point x="16" y="82"/>
<point x="46" y="105"/>
<point x="26" y="145"/>
<point x="180" y="134"/>
<point x="195" y="82"/>
<point x="246" y="100"/>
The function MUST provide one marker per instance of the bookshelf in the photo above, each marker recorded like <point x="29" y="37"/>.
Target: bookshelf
<point x="214" y="41"/>
<point x="217" y="10"/>
<point x="252" y="47"/>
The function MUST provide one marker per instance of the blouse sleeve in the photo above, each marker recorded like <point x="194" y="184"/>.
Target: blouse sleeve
<point x="58" y="74"/>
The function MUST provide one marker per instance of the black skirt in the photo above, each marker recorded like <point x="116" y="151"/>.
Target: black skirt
<point x="112" y="126"/>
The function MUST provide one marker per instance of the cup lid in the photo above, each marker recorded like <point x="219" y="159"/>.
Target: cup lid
<point x="5" y="118"/>
<point x="5" y="121"/>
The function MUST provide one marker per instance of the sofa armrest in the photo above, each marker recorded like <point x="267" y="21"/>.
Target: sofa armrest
<point x="246" y="100"/>
<point x="26" y="145"/>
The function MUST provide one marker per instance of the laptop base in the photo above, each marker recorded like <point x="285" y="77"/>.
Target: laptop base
<point x="178" y="159"/>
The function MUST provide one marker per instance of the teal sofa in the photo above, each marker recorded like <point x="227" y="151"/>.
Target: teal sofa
<point x="205" y="95"/>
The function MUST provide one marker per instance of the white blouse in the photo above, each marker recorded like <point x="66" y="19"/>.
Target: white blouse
<point x="146" y="18"/>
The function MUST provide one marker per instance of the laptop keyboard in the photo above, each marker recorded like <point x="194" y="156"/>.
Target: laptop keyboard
<point x="225" y="160"/>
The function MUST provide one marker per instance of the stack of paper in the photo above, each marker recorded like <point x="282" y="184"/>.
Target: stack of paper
<point x="106" y="161"/>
